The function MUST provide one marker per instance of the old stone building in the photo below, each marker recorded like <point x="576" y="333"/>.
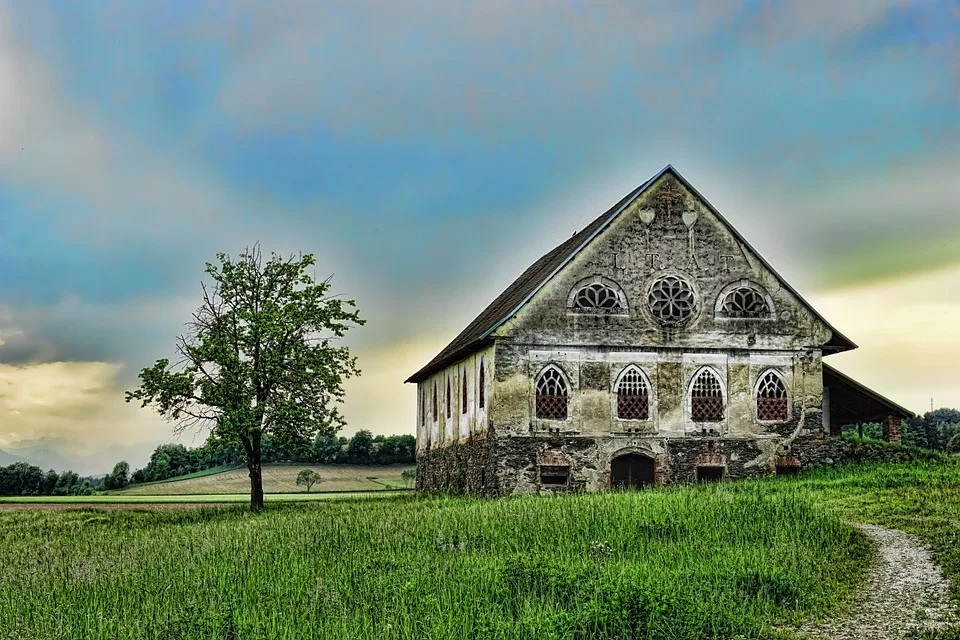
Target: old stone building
<point x="655" y="345"/>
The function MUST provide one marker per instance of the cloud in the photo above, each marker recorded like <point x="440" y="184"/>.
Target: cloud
<point x="76" y="406"/>
<point x="906" y="330"/>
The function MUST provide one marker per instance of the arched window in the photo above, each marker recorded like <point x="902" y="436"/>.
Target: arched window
<point x="706" y="398"/>
<point x="633" y="397"/>
<point x="771" y="398"/>
<point x="481" y="386"/>
<point x="597" y="295"/>
<point x="463" y="403"/>
<point x="551" y="395"/>
<point x="744" y="300"/>
<point x="448" y="397"/>
<point x="423" y="407"/>
<point x="436" y="414"/>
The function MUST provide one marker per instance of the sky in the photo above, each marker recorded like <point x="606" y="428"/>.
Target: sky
<point x="427" y="152"/>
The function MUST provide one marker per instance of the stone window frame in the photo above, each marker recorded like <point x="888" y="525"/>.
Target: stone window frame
<point x="602" y="280"/>
<point x="651" y="398"/>
<point x="688" y="400"/>
<point x="569" y="388"/>
<point x="786" y="391"/>
<point x="691" y="282"/>
<point x="744" y="283"/>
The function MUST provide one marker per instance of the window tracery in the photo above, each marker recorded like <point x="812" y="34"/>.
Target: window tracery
<point x="771" y="398"/>
<point x="598" y="297"/>
<point x="633" y="397"/>
<point x="706" y="398"/>
<point x="745" y="301"/>
<point x="671" y="301"/>
<point x="551" y="395"/>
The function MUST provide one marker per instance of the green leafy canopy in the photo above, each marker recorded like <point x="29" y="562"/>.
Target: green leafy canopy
<point x="261" y="355"/>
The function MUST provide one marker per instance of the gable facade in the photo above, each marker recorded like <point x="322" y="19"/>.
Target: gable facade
<point x="654" y="345"/>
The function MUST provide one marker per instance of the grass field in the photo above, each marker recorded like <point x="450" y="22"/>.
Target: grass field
<point x="124" y="498"/>
<point x="335" y="478"/>
<point x="708" y="561"/>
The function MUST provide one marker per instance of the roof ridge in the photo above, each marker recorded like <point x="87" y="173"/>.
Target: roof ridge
<point x="520" y="291"/>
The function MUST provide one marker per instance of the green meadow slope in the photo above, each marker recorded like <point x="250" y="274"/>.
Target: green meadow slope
<point x="688" y="562"/>
<point x="279" y="479"/>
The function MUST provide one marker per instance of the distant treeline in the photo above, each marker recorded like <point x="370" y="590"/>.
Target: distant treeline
<point x="24" y="479"/>
<point x="937" y="430"/>
<point x="174" y="460"/>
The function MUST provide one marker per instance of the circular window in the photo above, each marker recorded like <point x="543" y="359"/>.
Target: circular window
<point x="671" y="301"/>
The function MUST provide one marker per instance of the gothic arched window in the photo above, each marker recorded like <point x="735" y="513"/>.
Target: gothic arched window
<point x="744" y="300"/>
<point x="706" y="398"/>
<point x="448" y="397"/>
<point x="436" y="414"/>
<point x="633" y="397"/>
<point x="771" y="398"/>
<point x="551" y="395"/>
<point x="671" y="301"/>
<point x="463" y="404"/>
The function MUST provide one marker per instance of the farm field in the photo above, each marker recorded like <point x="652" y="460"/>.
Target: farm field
<point x="279" y="479"/>
<point x="709" y="561"/>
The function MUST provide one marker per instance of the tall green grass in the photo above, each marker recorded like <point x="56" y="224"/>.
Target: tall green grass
<point x="715" y="561"/>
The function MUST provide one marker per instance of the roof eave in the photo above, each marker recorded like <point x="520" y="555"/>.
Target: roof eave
<point x="867" y="391"/>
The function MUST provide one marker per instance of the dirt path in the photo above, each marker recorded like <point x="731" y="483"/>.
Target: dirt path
<point x="905" y="591"/>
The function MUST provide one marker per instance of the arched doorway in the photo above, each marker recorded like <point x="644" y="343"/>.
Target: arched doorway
<point x="631" y="471"/>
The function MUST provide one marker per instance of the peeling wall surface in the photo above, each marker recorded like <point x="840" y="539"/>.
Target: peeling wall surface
<point x="675" y="294"/>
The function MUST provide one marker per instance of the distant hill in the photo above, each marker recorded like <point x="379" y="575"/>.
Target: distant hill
<point x="6" y="459"/>
<point x="282" y="479"/>
<point x="50" y="453"/>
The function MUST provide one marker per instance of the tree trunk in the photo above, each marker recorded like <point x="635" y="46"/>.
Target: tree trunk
<point x="860" y="430"/>
<point x="255" y="468"/>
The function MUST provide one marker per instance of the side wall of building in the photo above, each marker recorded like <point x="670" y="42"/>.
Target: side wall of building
<point x="452" y="425"/>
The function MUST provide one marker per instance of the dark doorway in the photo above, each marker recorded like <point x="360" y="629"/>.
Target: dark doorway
<point x="787" y="469"/>
<point x="709" y="474"/>
<point x="631" y="471"/>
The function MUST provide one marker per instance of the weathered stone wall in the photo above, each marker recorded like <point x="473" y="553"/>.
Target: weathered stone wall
<point x="666" y="231"/>
<point x="440" y="427"/>
<point x="463" y="467"/>
<point x="592" y="374"/>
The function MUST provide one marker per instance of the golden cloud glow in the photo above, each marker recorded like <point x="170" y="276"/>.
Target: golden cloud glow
<point x="907" y="333"/>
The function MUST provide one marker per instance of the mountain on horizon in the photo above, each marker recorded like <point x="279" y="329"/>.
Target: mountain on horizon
<point x="61" y="456"/>
<point x="7" y="459"/>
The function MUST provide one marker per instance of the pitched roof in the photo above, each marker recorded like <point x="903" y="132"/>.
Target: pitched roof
<point x="506" y="305"/>
<point x="851" y="402"/>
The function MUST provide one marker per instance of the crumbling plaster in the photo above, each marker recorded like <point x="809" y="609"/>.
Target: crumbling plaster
<point x="667" y="231"/>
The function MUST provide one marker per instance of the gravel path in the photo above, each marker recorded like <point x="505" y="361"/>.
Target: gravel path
<point x="905" y="591"/>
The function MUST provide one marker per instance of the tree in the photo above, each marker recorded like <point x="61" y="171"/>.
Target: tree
<point x="325" y="448"/>
<point x="360" y="449"/>
<point x="307" y="477"/>
<point x="119" y="478"/>
<point x="953" y="445"/>
<point x="259" y="358"/>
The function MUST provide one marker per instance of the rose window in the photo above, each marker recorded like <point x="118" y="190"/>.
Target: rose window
<point x="671" y="301"/>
